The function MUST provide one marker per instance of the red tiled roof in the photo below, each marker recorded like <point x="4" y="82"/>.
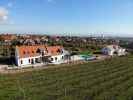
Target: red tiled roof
<point x="31" y="51"/>
<point x="54" y="50"/>
<point x="8" y="37"/>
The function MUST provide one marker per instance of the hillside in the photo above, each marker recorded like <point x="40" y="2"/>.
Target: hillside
<point x="106" y="80"/>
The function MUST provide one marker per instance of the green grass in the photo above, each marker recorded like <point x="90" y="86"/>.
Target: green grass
<point x="106" y="80"/>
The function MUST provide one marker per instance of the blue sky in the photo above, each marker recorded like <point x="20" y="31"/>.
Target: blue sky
<point x="76" y="16"/>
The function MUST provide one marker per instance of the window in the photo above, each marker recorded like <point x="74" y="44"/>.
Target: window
<point x="52" y="59"/>
<point x="55" y="58"/>
<point x="29" y="60"/>
<point x="62" y="57"/>
<point x="32" y="61"/>
<point x="21" y="61"/>
<point x="32" y="51"/>
<point x="38" y="50"/>
<point x="36" y="60"/>
<point x="58" y="51"/>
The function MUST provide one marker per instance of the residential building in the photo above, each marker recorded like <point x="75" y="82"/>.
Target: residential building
<point x="29" y="55"/>
<point x="113" y="50"/>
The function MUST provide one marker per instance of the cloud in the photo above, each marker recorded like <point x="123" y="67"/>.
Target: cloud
<point x="3" y="14"/>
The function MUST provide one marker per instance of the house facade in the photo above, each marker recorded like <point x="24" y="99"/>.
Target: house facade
<point x="30" y="55"/>
<point x="113" y="50"/>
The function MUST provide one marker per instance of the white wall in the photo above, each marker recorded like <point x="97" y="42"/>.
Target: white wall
<point x="76" y="58"/>
<point x="110" y="52"/>
<point x="121" y="52"/>
<point x="25" y="60"/>
<point x="59" y="59"/>
<point x="107" y="51"/>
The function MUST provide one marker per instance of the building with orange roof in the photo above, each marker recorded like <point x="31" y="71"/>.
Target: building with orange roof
<point x="29" y="55"/>
<point x="8" y="37"/>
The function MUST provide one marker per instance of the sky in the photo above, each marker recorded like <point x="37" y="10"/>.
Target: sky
<point x="77" y="17"/>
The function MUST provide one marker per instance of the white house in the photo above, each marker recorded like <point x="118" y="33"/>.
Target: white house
<point x="57" y="54"/>
<point x="29" y="55"/>
<point x="113" y="50"/>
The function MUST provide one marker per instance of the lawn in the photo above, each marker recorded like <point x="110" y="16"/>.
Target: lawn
<point x="111" y="79"/>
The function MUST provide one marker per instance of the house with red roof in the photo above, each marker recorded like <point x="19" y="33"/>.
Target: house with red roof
<point x="30" y="55"/>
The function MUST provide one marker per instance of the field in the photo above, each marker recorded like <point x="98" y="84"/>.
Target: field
<point x="111" y="79"/>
